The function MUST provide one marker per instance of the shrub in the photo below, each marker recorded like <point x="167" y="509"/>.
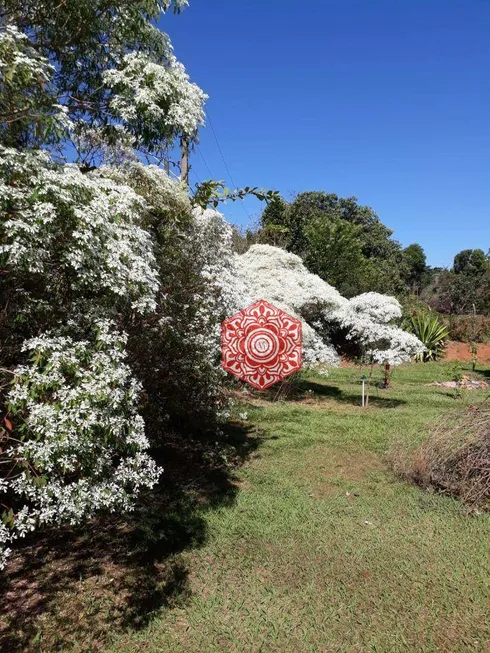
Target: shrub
<point x="368" y="320"/>
<point x="121" y="247"/>
<point x="468" y="328"/>
<point x="430" y="330"/>
<point x="73" y="441"/>
<point x="455" y="459"/>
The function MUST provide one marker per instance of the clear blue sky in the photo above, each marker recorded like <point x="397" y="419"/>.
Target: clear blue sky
<point x="387" y="100"/>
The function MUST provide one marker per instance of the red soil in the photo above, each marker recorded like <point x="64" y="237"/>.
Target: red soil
<point x="460" y="351"/>
<point x="455" y="351"/>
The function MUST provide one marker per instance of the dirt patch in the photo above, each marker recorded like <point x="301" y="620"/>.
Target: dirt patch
<point x="460" y="351"/>
<point x="326" y="470"/>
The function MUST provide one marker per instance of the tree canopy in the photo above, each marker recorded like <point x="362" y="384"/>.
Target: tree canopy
<point x="340" y="240"/>
<point x="103" y="65"/>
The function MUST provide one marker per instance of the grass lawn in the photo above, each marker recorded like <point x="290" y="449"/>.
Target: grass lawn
<point x="317" y="546"/>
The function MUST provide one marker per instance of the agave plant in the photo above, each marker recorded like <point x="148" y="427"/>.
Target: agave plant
<point x="432" y="332"/>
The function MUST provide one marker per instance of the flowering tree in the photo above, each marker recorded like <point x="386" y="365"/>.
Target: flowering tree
<point x="156" y="100"/>
<point x="106" y="64"/>
<point x="29" y="110"/>
<point x="369" y="320"/>
<point x="271" y="273"/>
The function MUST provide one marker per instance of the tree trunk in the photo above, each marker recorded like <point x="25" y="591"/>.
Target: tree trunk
<point x="387" y="375"/>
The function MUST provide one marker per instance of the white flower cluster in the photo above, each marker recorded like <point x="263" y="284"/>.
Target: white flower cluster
<point x="161" y="96"/>
<point x="367" y="318"/>
<point x="379" y="308"/>
<point x="105" y="249"/>
<point x="27" y="73"/>
<point x="81" y="445"/>
<point x="23" y="59"/>
<point x="279" y="277"/>
<point x="272" y="274"/>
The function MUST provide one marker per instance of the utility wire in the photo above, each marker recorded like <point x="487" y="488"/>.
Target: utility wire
<point x="196" y="176"/>
<point x="205" y="162"/>
<point x="225" y="164"/>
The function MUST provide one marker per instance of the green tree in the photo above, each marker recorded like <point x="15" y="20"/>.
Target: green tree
<point x="414" y="269"/>
<point x="472" y="262"/>
<point x="334" y="253"/>
<point x="323" y="227"/>
<point x="93" y="47"/>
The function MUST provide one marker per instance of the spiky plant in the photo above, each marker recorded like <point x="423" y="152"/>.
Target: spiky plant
<point x="430" y="330"/>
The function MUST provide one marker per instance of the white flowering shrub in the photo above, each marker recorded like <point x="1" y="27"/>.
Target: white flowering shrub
<point x="73" y="241"/>
<point x="280" y="277"/>
<point x="155" y="98"/>
<point x="181" y="336"/>
<point x="79" y="443"/>
<point x="119" y="245"/>
<point x="367" y="319"/>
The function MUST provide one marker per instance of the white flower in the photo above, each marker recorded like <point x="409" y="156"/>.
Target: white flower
<point x="367" y="318"/>
<point x="106" y="248"/>
<point x="85" y="449"/>
<point x="159" y="94"/>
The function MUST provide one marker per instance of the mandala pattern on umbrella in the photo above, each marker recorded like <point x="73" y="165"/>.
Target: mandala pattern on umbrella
<point x="261" y="345"/>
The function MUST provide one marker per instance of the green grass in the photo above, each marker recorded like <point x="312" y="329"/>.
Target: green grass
<point x="323" y="549"/>
<point x="314" y="546"/>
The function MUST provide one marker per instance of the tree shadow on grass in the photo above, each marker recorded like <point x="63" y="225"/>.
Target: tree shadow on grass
<point x="485" y="373"/>
<point x="77" y="587"/>
<point x="354" y="399"/>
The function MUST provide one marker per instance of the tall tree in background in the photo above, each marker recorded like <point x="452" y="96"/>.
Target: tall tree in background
<point x="465" y="288"/>
<point x="414" y="269"/>
<point x="334" y="253"/>
<point x="470" y="262"/>
<point x="322" y="227"/>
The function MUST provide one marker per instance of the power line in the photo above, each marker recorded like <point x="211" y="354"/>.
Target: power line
<point x="196" y="176"/>
<point x="225" y="164"/>
<point x="205" y="162"/>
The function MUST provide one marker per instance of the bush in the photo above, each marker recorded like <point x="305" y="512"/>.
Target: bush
<point x="430" y="330"/>
<point x="73" y="441"/>
<point x="455" y="459"/>
<point x="468" y="328"/>
<point x="121" y="248"/>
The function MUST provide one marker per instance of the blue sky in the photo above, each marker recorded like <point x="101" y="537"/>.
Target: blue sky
<point x="387" y="100"/>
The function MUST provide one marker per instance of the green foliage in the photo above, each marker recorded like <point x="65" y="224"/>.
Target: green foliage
<point x="430" y="330"/>
<point x="468" y="328"/>
<point x="463" y="289"/>
<point x="275" y="213"/>
<point x="29" y="113"/>
<point x="459" y="293"/>
<point x="343" y="242"/>
<point x="334" y="253"/>
<point x="82" y="39"/>
<point x="472" y="262"/>
<point x="212" y="193"/>
<point x="414" y="266"/>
